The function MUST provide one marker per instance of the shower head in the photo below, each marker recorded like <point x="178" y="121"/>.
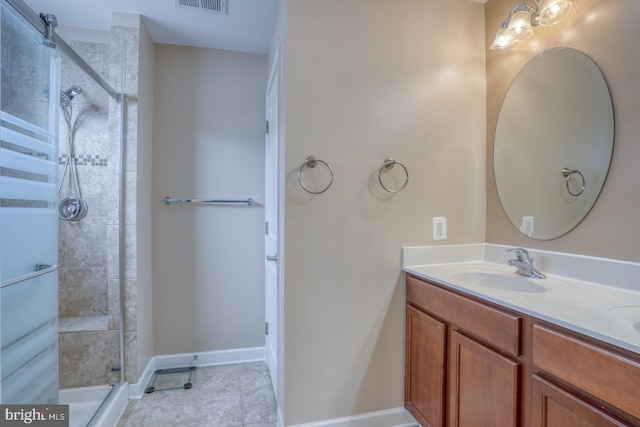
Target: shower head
<point x="65" y="101"/>
<point x="72" y="91"/>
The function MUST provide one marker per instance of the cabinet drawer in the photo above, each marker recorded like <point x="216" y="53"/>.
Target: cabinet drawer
<point x="599" y="372"/>
<point x="495" y="326"/>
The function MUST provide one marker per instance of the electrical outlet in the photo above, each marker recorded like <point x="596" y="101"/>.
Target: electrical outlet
<point x="439" y="228"/>
<point x="527" y="225"/>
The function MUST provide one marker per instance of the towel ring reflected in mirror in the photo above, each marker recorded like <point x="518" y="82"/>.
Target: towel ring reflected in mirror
<point x="311" y="162"/>
<point x="568" y="173"/>
<point x="388" y="164"/>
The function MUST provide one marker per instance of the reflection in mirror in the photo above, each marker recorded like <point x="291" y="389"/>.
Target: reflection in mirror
<point x="553" y="143"/>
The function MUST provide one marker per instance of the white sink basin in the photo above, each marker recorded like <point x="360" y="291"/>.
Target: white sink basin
<point x="501" y="281"/>
<point x="505" y="279"/>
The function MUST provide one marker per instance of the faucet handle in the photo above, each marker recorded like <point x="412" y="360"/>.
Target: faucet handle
<point x="521" y="254"/>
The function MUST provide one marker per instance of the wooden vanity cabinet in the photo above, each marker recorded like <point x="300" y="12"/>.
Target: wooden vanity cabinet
<point x="461" y="360"/>
<point x="470" y="363"/>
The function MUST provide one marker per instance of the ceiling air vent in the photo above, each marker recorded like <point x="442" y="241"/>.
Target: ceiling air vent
<point x="216" y="6"/>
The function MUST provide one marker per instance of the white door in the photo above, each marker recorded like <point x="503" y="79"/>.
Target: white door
<point x="271" y="227"/>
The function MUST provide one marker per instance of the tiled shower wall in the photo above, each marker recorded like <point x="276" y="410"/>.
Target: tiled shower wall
<point x="89" y="249"/>
<point x="88" y="306"/>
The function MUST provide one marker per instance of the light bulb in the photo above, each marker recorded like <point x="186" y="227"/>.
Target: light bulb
<point x="520" y="25"/>
<point x="502" y="41"/>
<point x="553" y="11"/>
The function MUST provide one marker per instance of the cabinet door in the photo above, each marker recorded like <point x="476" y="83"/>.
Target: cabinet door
<point x="554" y="407"/>
<point x="483" y="386"/>
<point x="425" y="364"/>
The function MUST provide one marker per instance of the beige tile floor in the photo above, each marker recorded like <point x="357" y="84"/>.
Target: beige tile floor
<point x="238" y="395"/>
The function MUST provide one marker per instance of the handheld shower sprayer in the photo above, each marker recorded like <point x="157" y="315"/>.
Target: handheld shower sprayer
<point x="72" y="207"/>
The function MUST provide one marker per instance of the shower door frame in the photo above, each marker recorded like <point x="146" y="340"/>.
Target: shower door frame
<point x="38" y="22"/>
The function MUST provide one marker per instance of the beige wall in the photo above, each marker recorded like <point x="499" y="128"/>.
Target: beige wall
<point x="606" y="31"/>
<point x="366" y="80"/>
<point x="208" y="141"/>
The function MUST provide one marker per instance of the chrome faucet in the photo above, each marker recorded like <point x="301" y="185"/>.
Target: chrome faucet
<point x="524" y="264"/>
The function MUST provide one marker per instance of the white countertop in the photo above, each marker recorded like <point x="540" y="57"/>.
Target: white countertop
<point x="607" y="311"/>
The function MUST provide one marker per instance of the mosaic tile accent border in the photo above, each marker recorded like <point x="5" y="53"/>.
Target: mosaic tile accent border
<point x="84" y="160"/>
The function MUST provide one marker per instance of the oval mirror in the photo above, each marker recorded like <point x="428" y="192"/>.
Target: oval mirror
<point x="553" y="143"/>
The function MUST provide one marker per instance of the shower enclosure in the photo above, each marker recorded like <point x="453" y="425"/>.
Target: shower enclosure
<point x="62" y="328"/>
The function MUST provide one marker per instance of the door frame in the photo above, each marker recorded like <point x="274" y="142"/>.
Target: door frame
<point x="276" y="77"/>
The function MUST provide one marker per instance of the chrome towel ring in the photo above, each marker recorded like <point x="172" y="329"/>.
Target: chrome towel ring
<point x="388" y="164"/>
<point x="312" y="162"/>
<point x="567" y="173"/>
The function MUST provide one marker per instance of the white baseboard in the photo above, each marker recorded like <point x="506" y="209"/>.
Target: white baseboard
<point x="398" y="417"/>
<point x="207" y="358"/>
<point x="210" y="358"/>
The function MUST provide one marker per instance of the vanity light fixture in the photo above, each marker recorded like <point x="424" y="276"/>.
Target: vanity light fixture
<point x="524" y="18"/>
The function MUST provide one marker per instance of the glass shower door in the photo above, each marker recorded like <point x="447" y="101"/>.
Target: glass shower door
<point x="28" y="214"/>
